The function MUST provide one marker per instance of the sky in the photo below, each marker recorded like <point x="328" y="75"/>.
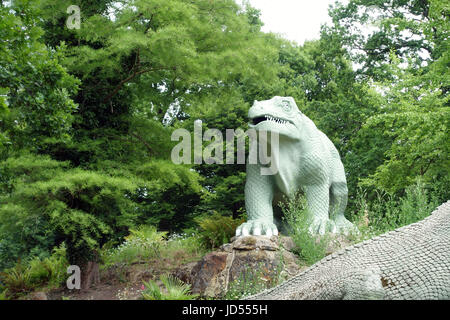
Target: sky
<point x="296" y="20"/>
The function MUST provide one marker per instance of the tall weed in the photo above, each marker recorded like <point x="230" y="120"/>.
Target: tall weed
<point x="309" y="248"/>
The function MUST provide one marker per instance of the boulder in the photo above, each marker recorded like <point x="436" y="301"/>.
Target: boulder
<point x="244" y="256"/>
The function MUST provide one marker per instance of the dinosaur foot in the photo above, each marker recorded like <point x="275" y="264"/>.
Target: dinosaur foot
<point x="320" y="226"/>
<point x="343" y="226"/>
<point x="257" y="228"/>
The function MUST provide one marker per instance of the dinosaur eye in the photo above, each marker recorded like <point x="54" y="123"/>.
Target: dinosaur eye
<point x="286" y="106"/>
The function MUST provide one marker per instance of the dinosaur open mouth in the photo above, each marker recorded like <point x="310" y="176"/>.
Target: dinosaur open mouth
<point x="257" y="120"/>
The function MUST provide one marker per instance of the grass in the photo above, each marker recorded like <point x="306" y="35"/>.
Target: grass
<point x="382" y="213"/>
<point x="142" y="243"/>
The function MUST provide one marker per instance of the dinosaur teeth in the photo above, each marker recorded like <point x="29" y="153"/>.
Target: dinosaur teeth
<point x="277" y="120"/>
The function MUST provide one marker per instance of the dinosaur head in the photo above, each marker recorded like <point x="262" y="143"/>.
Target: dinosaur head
<point x="279" y="114"/>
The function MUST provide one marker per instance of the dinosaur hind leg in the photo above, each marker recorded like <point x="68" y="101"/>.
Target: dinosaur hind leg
<point x="318" y="202"/>
<point x="338" y="203"/>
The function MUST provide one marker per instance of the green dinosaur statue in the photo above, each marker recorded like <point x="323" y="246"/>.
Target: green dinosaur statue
<point x="306" y="160"/>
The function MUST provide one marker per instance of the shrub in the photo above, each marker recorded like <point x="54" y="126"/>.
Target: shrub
<point x="174" y="289"/>
<point x="169" y="194"/>
<point x="216" y="229"/>
<point x="84" y="208"/>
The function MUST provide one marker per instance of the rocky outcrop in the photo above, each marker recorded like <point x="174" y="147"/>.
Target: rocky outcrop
<point x="269" y="257"/>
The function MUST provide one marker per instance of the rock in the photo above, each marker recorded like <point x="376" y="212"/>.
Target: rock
<point x="256" y="243"/>
<point x="336" y="242"/>
<point x="184" y="272"/>
<point x="209" y="274"/>
<point x="212" y="276"/>
<point x="39" y="295"/>
<point x="287" y="243"/>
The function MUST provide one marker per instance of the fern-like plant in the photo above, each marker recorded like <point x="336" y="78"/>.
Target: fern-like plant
<point x="17" y="279"/>
<point x="174" y="289"/>
<point x="4" y="295"/>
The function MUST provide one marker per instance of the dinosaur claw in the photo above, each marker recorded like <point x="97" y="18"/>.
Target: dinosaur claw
<point x="275" y="231"/>
<point x="257" y="228"/>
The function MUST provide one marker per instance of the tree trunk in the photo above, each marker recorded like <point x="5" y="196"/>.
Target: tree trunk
<point x="90" y="275"/>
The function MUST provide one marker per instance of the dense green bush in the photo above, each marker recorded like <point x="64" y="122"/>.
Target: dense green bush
<point x="46" y="202"/>
<point x="168" y="195"/>
<point x="217" y="229"/>
<point x="83" y="208"/>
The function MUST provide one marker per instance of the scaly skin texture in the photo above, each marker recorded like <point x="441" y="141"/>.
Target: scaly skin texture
<point x="412" y="262"/>
<point x="306" y="160"/>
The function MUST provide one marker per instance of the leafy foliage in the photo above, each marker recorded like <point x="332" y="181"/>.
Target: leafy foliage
<point x="35" y="87"/>
<point x="387" y="212"/>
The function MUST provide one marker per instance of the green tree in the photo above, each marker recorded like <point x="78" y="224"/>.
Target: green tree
<point x="404" y="55"/>
<point x="416" y="120"/>
<point x="35" y="88"/>
<point x="415" y="31"/>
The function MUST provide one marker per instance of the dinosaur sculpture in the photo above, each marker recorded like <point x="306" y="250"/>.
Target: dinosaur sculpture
<point x="412" y="262"/>
<point x="308" y="160"/>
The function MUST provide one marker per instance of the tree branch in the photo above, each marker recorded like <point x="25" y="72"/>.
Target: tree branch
<point x="149" y="149"/>
<point x="132" y="76"/>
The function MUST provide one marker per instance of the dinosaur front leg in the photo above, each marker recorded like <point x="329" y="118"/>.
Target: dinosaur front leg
<point x="259" y="191"/>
